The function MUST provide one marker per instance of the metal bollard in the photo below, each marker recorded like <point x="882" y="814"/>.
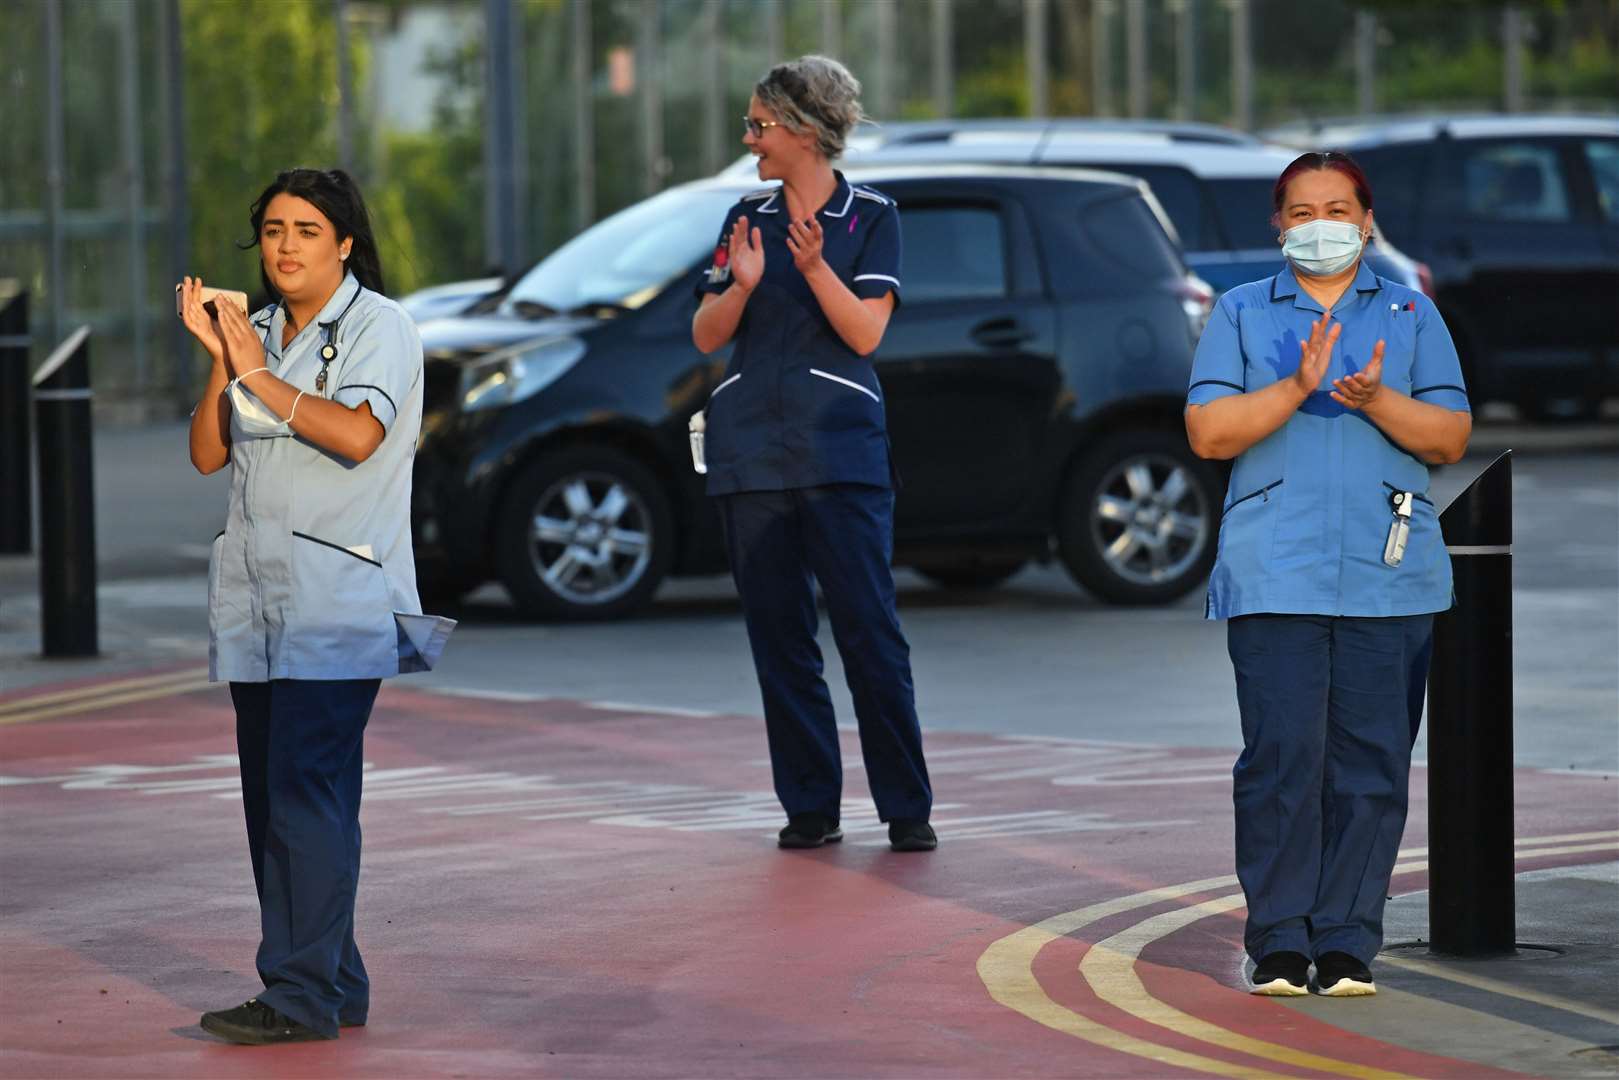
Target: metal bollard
<point x="67" y="512"/>
<point x="16" y="472"/>
<point x="1471" y="904"/>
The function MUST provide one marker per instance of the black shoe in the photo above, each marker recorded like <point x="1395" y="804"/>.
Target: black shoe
<point x="1282" y="974"/>
<point x="253" y="1023"/>
<point x="350" y="1021"/>
<point x="808" y="830"/>
<point x="909" y="834"/>
<point x="1337" y="974"/>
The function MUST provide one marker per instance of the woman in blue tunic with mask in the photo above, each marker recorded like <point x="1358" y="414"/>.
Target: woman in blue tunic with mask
<point x="804" y="279"/>
<point x="1333" y="389"/>
<point x="315" y="404"/>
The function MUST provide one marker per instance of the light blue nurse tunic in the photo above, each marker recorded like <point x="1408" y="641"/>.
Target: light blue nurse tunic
<point x="313" y="576"/>
<point x="1307" y="511"/>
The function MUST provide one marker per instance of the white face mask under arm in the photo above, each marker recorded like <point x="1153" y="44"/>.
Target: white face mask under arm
<point x="1323" y="247"/>
<point x="253" y="416"/>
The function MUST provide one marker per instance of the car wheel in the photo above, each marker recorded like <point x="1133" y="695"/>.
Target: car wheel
<point x="1139" y="518"/>
<point x="585" y="533"/>
<point x="970" y="573"/>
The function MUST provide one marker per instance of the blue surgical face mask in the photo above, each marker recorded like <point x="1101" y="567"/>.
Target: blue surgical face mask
<point x="1323" y="247"/>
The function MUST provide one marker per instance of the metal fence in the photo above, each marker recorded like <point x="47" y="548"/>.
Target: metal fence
<point x="488" y="131"/>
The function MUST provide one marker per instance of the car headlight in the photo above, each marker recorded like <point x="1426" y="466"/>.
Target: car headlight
<point x="509" y="375"/>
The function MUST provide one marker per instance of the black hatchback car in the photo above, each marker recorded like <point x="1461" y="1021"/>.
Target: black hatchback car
<point x="1518" y="218"/>
<point x="1034" y="378"/>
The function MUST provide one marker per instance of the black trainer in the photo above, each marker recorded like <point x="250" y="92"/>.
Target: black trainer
<point x="1337" y="974"/>
<point x="908" y="834"/>
<point x="253" y="1023"/>
<point x="808" y="831"/>
<point x="1282" y="974"/>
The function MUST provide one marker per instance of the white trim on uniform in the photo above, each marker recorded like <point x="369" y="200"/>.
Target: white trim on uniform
<point x="846" y="204"/>
<point x="724" y="384"/>
<point x="765" y="207"/>
<point x="877" y="277"/>
<point x="873" y="196"/>
<point x="846" y="382"/>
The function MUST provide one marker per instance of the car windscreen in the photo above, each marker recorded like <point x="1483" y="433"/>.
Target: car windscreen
<point x="1245" y="210"/>
<point x="627" y="259"/>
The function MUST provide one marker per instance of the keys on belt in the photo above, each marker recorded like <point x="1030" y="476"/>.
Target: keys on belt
<point x="1399" y="528"/>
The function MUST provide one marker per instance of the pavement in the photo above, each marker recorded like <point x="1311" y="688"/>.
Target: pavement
<point x="585" y="884"/>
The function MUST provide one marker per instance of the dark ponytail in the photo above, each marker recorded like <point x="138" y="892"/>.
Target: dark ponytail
<point x="334" y="193"/>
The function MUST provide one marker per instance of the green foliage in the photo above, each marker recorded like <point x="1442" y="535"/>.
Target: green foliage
<point x="260" y="85"/>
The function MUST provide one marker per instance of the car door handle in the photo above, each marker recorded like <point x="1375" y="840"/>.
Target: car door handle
<point x="999" y="333"/>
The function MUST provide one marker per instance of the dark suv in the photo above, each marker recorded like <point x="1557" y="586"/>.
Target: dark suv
<point x="1034" y="377"/>
<point x="1518" y="217"/>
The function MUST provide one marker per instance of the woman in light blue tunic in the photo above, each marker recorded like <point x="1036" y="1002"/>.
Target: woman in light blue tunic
<point x="315" y="403"/>
<point x="1333" y="389"/>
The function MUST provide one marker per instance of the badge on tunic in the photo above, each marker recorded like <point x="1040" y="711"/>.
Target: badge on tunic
<point x="721" y="270"/>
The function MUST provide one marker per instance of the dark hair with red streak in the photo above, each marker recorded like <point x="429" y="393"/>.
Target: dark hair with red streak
<point x="1315" y="160"/>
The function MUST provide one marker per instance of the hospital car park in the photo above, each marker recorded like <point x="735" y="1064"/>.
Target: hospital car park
<point x="1034" y="376"/>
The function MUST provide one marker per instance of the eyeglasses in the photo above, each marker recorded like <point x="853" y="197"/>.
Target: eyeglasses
<point x="756" y="128"/>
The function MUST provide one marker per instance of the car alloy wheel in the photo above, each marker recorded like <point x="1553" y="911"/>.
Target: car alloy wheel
<point x="590" y="539"/>
<point x="585" y="533"/>
<point x="1138" y="519"/>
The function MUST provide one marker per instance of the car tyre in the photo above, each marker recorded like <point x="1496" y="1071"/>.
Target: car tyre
<point x="1139" y="518"/>
<point x="584" y="533"/>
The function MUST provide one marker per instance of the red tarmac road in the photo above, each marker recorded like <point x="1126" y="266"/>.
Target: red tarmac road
<point x="559" y="888"/>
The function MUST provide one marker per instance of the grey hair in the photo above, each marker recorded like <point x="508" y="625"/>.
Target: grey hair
<point x="817" y="94"/>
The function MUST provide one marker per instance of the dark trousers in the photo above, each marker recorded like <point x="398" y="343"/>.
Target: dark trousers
<point x="842" y="536"/>
<point x="300" y="747"/>
<point x="1330" y="707"/>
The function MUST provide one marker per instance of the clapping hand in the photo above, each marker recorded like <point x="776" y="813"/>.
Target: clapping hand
<point x="243" y="349"/>
<point x="746" y="254"/>
<point x="805" y="239"/>
<point x="1360" y="389"/>
<point x="1315" y="354"/>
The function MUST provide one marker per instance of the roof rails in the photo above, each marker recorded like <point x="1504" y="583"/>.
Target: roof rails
<point x="915" y="133"/>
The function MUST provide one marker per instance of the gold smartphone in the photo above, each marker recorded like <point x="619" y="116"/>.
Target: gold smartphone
<point x="209" y="295"/>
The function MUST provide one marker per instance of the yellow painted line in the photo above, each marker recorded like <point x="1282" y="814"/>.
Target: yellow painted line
<point x="1496" y="986"/>
<point x="92" y="704"/>
<point x="1109" y="967"/>
<point x="34" y="701"/>
<point x="1007" y="971"/>
<point x="1534" y="841"/>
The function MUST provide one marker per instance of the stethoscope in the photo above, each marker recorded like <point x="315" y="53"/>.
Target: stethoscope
<point x="328" y="349"/>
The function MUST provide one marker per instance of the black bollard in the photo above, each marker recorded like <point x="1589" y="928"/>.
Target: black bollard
<point x="16" y="472"/>
<point x="67" y="512"/>
<point x="1471" y="906"/>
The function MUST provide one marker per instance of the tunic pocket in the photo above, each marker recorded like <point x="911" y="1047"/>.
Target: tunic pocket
<point x="344" y="627"/>
<point x="842" y="404"/>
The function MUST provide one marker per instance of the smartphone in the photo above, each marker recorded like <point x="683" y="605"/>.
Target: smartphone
<point x="209" y="295"/>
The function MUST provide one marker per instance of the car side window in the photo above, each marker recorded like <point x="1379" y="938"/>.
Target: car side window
<point x="1395" y="172"/>
<point x="1507" y="181"/>
<point x="952" y="252"/>
<point x="1603" y="156"/>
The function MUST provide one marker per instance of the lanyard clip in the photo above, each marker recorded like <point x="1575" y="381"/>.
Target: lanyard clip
<point x="1399" y="529"/>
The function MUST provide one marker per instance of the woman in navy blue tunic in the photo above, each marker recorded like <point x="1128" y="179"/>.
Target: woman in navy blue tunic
<point x="805" y="276"/>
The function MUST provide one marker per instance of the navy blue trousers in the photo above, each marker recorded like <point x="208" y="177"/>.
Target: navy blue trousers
<point x="1330" y="708"/>
<point x="300" y="746"/>
<point x="842" y="535"/>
